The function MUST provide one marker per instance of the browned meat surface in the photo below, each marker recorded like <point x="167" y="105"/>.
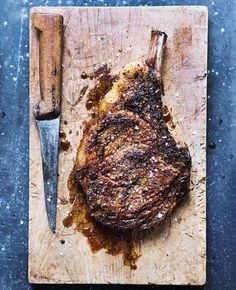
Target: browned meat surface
<point x="131" y="169"/>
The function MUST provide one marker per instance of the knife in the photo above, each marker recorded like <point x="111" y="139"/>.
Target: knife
<point x="49" y="28"/>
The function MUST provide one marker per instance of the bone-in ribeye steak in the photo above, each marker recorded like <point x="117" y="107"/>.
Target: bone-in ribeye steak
<point x="131" y="169"/>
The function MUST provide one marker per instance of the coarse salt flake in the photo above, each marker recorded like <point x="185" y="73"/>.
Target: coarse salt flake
<point x="160" y="215"/>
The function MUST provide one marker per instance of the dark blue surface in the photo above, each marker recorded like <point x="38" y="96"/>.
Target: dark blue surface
<point x="14" y="133"/>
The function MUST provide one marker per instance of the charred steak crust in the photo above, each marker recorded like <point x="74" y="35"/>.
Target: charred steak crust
<point x="131" y="169"/>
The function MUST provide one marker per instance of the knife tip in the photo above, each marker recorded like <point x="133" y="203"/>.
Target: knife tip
<point x="53" y="229"/>
<point x="52" y="226"/>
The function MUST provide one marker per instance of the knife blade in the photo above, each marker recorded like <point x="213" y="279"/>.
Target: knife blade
<point x="49" y="137"/>
<point x="49" y="28"/>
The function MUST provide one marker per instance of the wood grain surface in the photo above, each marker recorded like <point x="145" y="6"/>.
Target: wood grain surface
<point x="117" y="36"/>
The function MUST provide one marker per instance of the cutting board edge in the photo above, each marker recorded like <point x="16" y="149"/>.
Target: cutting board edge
<point x="32" y="278"/>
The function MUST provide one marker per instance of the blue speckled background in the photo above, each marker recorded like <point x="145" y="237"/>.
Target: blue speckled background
<point x="14" y="149"/>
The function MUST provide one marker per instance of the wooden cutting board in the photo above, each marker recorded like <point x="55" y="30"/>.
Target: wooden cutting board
<point x="176" y="254"/>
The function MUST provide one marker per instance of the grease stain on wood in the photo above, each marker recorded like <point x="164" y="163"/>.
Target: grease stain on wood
<point x="64" y="144"/>
<point x="182" y="41"/>
<point x="99" y="237"/>
<point x="104" y="82"/>
<point x="168" y="117"/>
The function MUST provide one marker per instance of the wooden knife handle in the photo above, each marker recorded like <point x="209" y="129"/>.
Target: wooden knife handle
<point x="49" y="27"/>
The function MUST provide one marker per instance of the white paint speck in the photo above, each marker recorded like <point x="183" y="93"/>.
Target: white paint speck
<point x="222" y="30"/>
<point x="14" y="79"/>
<point x="21" y="222"/>
<point x="5" y="23"/>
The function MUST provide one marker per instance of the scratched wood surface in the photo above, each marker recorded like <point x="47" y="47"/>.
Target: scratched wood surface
<point x="117" y="36"/>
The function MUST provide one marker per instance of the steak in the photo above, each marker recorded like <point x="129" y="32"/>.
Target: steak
<point x="132" y="171"/>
